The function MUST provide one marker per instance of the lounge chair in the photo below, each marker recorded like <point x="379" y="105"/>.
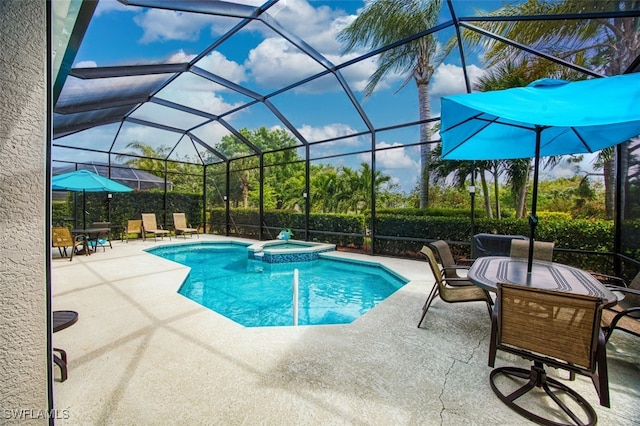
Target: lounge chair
<point x="181" y="227"/>
<point x="150" y="226"/>
<point x="542" y="250"/>
<point x="133" y="227"/>
<point x="569" y="339"/>
<point x="448" y="293"/>
<point x="61" y="237"/>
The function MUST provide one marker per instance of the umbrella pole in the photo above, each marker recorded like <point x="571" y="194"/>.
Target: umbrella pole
<point x="84" y="209"/>
<point x="533" y="218"/>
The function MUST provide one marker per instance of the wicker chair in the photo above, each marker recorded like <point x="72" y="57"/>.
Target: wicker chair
<point x="150" y="226"/>
<point x="450" y="268"/>
<point x="564" y="334"/>
<point x="447" y="292"/>
<point x="542" y="250"/>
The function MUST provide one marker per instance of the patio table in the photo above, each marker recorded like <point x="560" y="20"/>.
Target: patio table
<point x="90" y="234"/>
<point x="487" y="272"/>
<point x="62" y="320"/>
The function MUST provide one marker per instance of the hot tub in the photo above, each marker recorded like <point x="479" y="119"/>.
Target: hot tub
<point x="278" y="251"/>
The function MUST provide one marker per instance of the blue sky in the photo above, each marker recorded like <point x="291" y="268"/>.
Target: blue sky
<point x="258" y="59"/>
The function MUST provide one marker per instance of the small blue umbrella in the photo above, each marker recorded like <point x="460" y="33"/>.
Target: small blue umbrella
<point x="86" y="181"/>
<point x="548" y="117"/>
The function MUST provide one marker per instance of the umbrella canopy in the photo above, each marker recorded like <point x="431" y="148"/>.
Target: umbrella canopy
<point x="548" y="117"/>
<point x="84" y="180"/>
<point x="572" y="118"/>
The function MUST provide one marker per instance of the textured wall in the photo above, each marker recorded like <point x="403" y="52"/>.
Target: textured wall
<point x="23" y="355"/>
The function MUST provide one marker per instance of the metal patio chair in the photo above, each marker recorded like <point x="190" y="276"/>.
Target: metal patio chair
<point x="557" y="329"/>
<point x="448" y="293"/>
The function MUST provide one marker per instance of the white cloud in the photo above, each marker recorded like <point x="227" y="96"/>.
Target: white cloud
<point x="163" y="25"/>
<point x="448" y="79"/>
<point x="106" y="6"/>
<point x="357" y="75"/>
<point x="329" y="131"/>
<point x="218" y="64"/>
<point x="276" y="63"/>
<point x="179" y="57"/>
<point x="391" y="159"/>
<point x="318" y="26"/>
<point x="86" y="64"/>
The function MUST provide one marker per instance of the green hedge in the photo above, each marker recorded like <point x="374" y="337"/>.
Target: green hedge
<point x="128" y="205"/>
<point x="430" y="212"/>
<point x="244" y="223"/>
<point x="576" y="234"/>
<point x="61" y="212"/>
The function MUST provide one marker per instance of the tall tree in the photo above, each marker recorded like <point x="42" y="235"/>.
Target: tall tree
<point x="184" y="176"/>
<point x="383" y="22"/>
<point x="278" y="177"/>
<point x="608" y="45"/>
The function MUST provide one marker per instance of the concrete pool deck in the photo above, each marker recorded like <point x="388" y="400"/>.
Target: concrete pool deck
<point x="141" y="353"/>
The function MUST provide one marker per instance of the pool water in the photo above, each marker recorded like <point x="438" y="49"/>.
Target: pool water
<point x="257" y="294"/>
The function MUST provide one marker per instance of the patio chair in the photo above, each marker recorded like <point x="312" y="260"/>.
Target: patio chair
<point x="134" y="227"/>
<point x="450" y="268"/>
<point x="61" y="238"/>
<point x="624" y="315"/>
<point x="448" y="293"/>
<point x="484" y="244"/>
<point x="100" y="239"/>
<point x="150" y="226"/>
<point x="542" y="250"/>
<point x="570" y="339"/>
<point x="180" y="226"/>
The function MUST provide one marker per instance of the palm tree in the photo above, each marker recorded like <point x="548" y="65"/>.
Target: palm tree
<point x="146" y="157"/>
<point x="608" y="45"/>
<point x="383" y="22"/>
<point x="324" y="189"/>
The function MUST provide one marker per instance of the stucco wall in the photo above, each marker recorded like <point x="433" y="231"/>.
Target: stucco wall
<point x="23" y="326"/>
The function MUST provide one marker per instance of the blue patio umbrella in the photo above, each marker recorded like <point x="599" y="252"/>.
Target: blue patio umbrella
<point x="86" y="181"/>
<point x="548" y="117"/>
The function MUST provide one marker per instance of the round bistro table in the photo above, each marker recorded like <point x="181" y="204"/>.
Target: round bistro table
<point x="62" y="320"/>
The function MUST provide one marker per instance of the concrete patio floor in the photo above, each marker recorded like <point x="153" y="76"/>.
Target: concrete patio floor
<point x="141" y="354"/>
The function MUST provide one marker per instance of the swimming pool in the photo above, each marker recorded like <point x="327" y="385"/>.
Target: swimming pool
<point x="258" y="294"/>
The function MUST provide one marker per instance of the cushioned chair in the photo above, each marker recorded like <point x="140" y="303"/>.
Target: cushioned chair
<point x="150" y="226"/>
<point x="180" y="226"/>
<point x="448" y="293"/>
<point x="453" y="272"/>
<point x="61" y="238"/>
<point x="557" y="329"/>
<point x="542" y="250"/>
<point x="625" y="315"/>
